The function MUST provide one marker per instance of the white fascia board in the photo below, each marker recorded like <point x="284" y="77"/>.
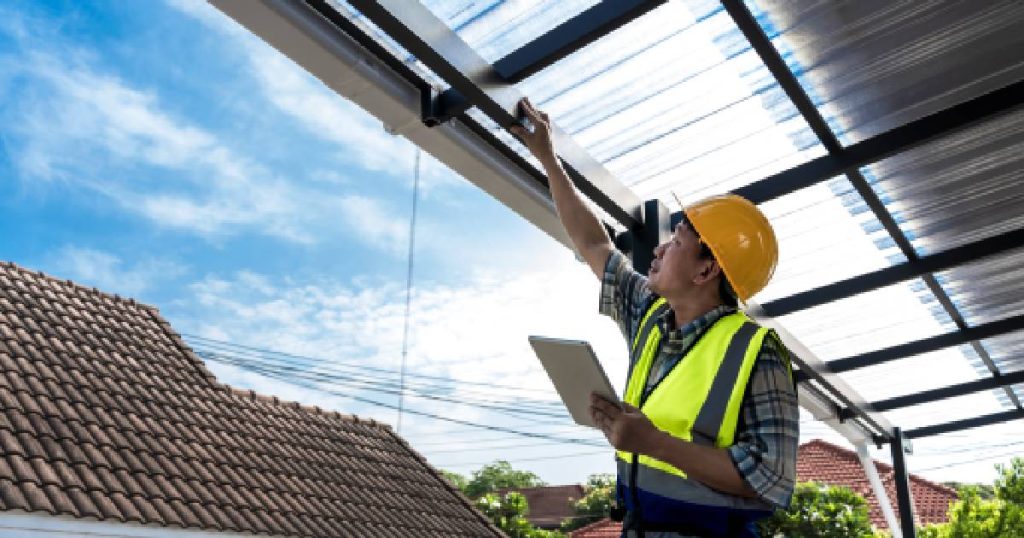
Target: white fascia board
<point x="350" y="70"/>
<point x="19" y="524"/>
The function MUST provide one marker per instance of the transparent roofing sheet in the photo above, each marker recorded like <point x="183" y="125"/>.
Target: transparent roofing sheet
<point x="676" y="100"/>
<point x="494" y="28"/>
<point x="866" y="322"/>
<point x="824" y="235"/>
<point x="873" y="65"/>
<point x="960" y="188"/>
<point x="989" y="289"/>
<point x="943" y="411"/>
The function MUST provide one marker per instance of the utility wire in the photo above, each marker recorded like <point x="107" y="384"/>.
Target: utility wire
<point x="325" y="369"/>
<point x="347" y="382"/>
<point x="199" y="342"/>
<point x="356" y="381"/>
<point x="561" y="457"/>
<point x="292" y="380"/>
<point x="408" y="286"/>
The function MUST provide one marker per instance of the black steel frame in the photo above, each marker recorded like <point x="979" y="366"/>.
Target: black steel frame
<point x="488" y="87"/>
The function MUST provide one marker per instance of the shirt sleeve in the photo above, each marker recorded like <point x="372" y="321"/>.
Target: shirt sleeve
<point x="624" y="294"/>
<point x="768" y="432"/>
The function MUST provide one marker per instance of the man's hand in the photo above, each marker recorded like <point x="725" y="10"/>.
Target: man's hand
<point x="625" y="426"/>
<point x="539" y="141"/>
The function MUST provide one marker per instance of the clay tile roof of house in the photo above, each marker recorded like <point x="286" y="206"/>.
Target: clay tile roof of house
<point x="550" y="505"/>
<point x="605" y="528"/>
<point x="824" y="462"/>
<point x="105" y="413"/>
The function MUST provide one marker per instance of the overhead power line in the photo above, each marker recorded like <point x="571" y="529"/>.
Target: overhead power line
<point x="202" y="342"/>
<point x="290" y="378"/>
<point x="377" y="388"/>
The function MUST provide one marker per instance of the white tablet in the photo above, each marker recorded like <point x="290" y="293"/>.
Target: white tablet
<point x="575" y="372"/>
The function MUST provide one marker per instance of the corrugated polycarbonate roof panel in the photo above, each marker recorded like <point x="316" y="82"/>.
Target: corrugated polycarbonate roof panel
<point x="960" y="188"/>
<point x="676" y="100"/>
<point x="824" y="235"/>
<point x="494" y="28"/>
<point x="866" y="322"/>
<point x="872" y="65"/>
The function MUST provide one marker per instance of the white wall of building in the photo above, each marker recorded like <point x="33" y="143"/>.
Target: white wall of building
<point x="17" y="524"/>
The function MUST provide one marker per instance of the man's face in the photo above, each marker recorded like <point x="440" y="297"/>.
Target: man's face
<point x="676" y="262"/>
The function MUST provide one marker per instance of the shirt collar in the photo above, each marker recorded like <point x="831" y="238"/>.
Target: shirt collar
<point x="700" y="323"/>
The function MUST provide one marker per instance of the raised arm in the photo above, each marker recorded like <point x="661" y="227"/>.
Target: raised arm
<point x="580" y="221"/>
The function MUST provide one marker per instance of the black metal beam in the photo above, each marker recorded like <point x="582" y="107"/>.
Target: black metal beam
<point x="427" y="38"/>
<point x="559" y="42"/>
<point x="965" y="424"/>
<point x="902" y="480"/>
<point x="897" y="140"/>
<point x="960" y="389"/>
<point x="926" y="345"/>
<point x="900" y="139"/>
<point x="897" y="273"/>
<point x="570" y="36"/>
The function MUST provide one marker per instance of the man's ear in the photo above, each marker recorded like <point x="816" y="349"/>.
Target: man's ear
<point x="708" y="272"/>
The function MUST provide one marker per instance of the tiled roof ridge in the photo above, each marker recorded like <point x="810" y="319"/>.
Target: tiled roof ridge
<point x="882" y="466"/>
<point x="591" y="526"/>
<point x="249" y="394"/>
<point x="448" y="485"/>
<point x="581" y="487"/>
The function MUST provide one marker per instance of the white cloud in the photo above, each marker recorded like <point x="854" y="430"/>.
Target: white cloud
<point x="372" y="223"/>
<point x="475" y="332"/>
<point x="108" y="272"/>
<point x="317" y="108"/>
<point x="452" y="327"/>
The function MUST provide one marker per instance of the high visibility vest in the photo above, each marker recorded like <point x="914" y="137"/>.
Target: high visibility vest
<point x="698" y="400"/>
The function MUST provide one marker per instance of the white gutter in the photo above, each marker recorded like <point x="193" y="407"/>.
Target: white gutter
<point x="347" y="68"/>
<point x="876" y="485"/>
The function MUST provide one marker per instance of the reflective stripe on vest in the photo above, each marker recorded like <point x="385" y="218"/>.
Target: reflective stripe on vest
<point x="698" y="400"/>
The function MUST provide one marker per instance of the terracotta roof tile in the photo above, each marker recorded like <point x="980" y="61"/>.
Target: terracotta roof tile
<point x="605" y="528"/>
<point x="105" y="413"/>
<point x="825" y="462"/>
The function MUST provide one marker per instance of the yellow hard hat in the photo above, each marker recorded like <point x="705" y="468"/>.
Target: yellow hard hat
<point x="740" y="237"/>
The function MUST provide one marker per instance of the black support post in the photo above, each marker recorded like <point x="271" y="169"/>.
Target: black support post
<point x="655" y="231"/>
<point x="902" y="480"/>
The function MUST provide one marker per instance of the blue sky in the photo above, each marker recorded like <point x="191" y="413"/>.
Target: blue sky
<point x="168" y="155"/>
<point x="159" y="151"/>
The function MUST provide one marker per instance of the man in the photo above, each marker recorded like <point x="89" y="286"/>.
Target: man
<point x="707" y="434"/>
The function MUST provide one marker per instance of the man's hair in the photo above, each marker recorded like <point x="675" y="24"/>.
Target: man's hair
<point x="725" y="291"/>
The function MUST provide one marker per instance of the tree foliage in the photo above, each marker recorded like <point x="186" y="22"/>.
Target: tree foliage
<point x="456" y="479"/>
<point x="599" y="495"/>
<point x="499" y="475"/>
<point x="820" y="511"/>
<point x="974" y="516"/>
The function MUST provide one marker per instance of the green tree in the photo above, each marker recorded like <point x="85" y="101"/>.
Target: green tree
<point x="599" y="494"/>
<point x="974" y="516"/>
<point x="498" y="475"/>
<point x="456" y="479"/>
<point x="508" y="512"/>
<point x="987" y="492"/>
<point x="820" y="511"/>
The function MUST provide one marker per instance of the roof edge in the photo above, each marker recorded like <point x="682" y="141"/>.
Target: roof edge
<point x="882" y="466"/>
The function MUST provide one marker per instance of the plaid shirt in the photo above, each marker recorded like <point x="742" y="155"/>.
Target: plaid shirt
<point x="767" y="433"/>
